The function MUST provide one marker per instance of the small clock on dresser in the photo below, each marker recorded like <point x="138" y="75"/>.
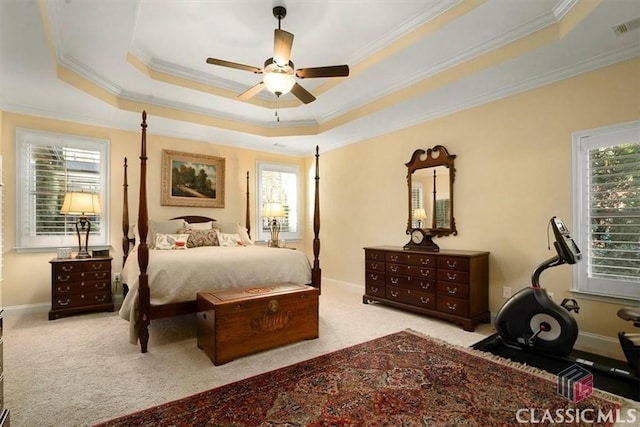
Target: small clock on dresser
<point x="421" y="240"/>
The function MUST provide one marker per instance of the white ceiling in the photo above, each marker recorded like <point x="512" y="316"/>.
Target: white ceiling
<point x="102" y="61"/>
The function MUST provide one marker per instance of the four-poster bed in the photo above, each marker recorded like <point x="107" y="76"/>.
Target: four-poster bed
<point x="164" y="283"/>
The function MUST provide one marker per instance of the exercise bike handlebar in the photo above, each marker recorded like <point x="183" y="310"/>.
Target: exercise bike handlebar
<point x="551" y="262"/>
<point x="567" y="251"/>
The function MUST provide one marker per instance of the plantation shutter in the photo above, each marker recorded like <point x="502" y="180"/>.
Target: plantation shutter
<point x="606" y="177"/>
<point x="48" y="166"/>
<point x="279" y="183"/>
<point x="417" y="198"/>
<point x="614" y="212"/>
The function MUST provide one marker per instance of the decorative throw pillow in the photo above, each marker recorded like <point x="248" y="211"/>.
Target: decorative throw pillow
<point x="229" y="239"/>
<point x="170" y="226"/>
<point x="199" y="238"/>
<point x="234" y="228"/>
<point x="171" y="241"/>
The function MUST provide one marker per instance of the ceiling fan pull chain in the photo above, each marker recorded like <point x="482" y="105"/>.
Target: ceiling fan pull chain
<point x="277" y="108"/>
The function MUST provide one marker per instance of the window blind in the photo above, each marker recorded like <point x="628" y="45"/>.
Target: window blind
<point x="614" y="212"/>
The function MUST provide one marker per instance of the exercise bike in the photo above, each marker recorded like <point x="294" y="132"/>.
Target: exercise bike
<point x="530" y="320"/>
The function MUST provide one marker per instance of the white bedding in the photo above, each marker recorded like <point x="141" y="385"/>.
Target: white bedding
<point x="177" y="275"/>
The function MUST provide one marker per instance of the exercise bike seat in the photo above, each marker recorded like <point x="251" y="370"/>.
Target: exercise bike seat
<point x="631" y="314"/>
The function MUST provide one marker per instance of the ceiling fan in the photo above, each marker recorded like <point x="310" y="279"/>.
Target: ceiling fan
<point x="278" y="71"/>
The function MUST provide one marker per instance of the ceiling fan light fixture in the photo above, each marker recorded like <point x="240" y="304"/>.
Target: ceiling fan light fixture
<point x="278" y="83"/>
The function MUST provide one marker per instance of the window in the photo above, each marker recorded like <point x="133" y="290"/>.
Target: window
<point x="279" y="183"/>
<point x="607" y="210"/>
<point x="47" y="166"/>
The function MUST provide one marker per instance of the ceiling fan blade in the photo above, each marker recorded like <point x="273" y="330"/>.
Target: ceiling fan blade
<point x="282" y="42"/>
<point x="251" y="92"/>
<point x="332" y="71"/>
<point x="302" y="94"/>
<point x="223" y="63"/>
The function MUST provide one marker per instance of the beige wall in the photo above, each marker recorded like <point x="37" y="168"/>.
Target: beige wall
<point x="513" y="173"/>
<point x="27" y="275"/>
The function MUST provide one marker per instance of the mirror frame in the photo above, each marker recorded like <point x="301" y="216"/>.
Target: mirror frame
<point x="433" y="157"/>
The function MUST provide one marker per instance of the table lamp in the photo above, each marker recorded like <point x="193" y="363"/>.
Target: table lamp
<point x="273" y="210"/>
<point x="81" y="204"/>
<point x="419" y="214"/>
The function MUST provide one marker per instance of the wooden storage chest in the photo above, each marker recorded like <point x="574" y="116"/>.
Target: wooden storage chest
<point x="237" y="322"/>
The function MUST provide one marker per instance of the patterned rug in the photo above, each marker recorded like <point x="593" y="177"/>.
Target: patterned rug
<point x="403" y="379"/>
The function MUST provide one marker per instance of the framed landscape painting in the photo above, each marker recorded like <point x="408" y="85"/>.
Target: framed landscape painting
<point x="192" y="180"/>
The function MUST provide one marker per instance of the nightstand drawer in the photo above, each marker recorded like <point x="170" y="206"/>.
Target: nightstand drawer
<point x="79" y="287"/>
<point x="80" y="300"/>
<point x="96" y="265"/>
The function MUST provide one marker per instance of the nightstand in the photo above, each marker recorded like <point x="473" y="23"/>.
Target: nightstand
<point x="80" y="285"/>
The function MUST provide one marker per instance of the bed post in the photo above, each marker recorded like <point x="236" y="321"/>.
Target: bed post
<point x="125" y="217"/>
<point x="144" y="306"/>
<point x="247" y="220"/>
<point x="316" y="272"/>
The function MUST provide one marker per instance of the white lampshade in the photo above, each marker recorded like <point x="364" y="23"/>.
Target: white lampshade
<point x="419" y="214"/>
<point x="273" y="210"/>
<point x="278" y="83"/>
<point x="81" y="204"/>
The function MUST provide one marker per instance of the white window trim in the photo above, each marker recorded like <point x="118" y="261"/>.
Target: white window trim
<point x="581" y="143"/>
<point x="262" y="236"/>
<point x="26" y="243"/>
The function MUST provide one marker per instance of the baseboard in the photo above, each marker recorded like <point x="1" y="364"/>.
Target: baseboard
<point x="599" y="344"/>
<point x="341" y="283"/>
<point x="45" y="307"/>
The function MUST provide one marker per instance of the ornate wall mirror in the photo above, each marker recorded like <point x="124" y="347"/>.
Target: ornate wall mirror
<point x="430" y="176"/>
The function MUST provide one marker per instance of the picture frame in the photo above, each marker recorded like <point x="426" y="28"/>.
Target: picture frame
<point x="190" y="179"/>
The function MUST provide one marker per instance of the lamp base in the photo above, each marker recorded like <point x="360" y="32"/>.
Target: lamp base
<point x="83" y="255"/>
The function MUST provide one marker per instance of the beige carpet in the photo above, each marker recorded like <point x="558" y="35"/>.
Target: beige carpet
<point x="80" y="370"/>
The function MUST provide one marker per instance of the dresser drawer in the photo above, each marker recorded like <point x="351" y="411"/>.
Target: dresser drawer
<point x="457" y="290"/>
<point x="408" y="296"/>
<point x="397" y="258"/>
<point x="399" y="281"/>
<point x="422" y="285"/>
<point x="422" y="260"/>
<point x="375" y="277"/>
<point x="374" y="266"/>
<point x="455" y="306"/>
<point x="374" y="289"/>
<point x="78" y="300"/>
<point x="96" y="265"/>
<point x="422" y="272"/>
<point x="453" y="276"/>
<point x="453" y="263"/>
<point x="66" y="268"/>
<point x="80" y="287"/>
<point x="371" y="255"/>
<point x="400" y="269"/>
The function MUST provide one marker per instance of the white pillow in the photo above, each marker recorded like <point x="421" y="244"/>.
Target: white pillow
<point x="171" y="241"/>
<point x="234" y="228"/>
<point x="199" y="225"/>
<point x="229" y="239"/>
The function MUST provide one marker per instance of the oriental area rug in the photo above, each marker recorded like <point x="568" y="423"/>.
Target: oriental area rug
<point x="403" y="379"/>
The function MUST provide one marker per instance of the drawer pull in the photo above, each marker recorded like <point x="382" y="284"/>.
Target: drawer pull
<point x="374" y="256"/>
<point x="64" y="279"/>
<point x="452" y="307"/>
<point x="425" y="273"/>
<point x="425" y="285"/>
<point x="374" y="276"/>
<point x="394" y="258"/>
<point x="393" y="268"/>
<point x="374" y="266"/>
<point x="100" y="286"/>
<point x="452" y="291"/>
<point x="394" y="280"/>
<point x="96" y="266"/>
<point x="101" y="275"/>
<point x="375" y="290"/>
<point x="64" y="303"/>
<point x="394" y="294"/>
<point x="451" y="264"/>
<point x="100" y="298"/>
<point x="82" y="296"/>
<point x="452" y="276"/>
<point x="424" y="261"/>
<point x="65" y="289"/>
<point x="425" y="300"/>
<point x="67" y="268"/>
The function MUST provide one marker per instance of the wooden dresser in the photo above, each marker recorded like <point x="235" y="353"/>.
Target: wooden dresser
<point x="450" y="284"/>
<point x="80" y="285"/>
